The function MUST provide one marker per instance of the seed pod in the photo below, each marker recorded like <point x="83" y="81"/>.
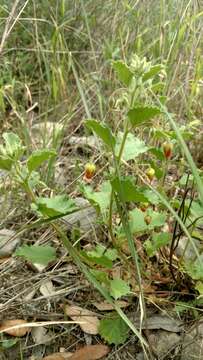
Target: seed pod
<point x="167" y="149"/>
<point x="150" y="173"/>
<point x="147" y="219"/>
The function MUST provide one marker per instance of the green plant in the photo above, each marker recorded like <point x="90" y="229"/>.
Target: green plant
<point x="54" y="69"/>
<point x="117" y="193"/>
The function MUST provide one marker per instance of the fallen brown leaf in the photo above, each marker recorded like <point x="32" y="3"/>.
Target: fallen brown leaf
<point x="90" y="352"/>
<point x="40" y="335"/>
<point x="7" y="258"/>
<point x="89" y="318"/>
<point x="19" y="329"/>
<point x="58" y="356"/>
<point x="47" y="288"/>
<point x="105" y="306"/>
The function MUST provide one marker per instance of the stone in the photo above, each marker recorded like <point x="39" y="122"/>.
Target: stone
<point x="84" y="219"/>
<point x="188" y="254"/>
<point x="164" y="342"/>
<point x="81" y="141"/>
<point x="43" y="132"/>
<point x="192" y="347"/>
<point x="8" y="242"/>
<point x="158" y="321"/>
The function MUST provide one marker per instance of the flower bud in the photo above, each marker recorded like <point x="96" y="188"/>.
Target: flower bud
<point x="144" y="206"/>
<point x="90" y="170"/>
<point x="167" y="149"/>
<point x="150" y="173"/>
<point x="147" y="219"/>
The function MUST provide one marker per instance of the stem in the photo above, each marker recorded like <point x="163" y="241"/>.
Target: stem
<point x="25" y="184"/>
<point x="76" y="257"/>
<point x="126" y="131"/>
<point x="165" y="172"/>
<point x="110" y="223"/>
<point x="123" y="212"/>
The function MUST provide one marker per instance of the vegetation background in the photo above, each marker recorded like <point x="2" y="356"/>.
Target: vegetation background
<point x="55" y="72"/>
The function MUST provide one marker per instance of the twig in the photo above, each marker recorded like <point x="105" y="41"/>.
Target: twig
<point x="9" y="24"/>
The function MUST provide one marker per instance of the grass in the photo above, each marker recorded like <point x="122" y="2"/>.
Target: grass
<point x="56" y="68"/>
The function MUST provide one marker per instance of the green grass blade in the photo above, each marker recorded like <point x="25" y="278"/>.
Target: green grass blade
<point x="185" y="150"/>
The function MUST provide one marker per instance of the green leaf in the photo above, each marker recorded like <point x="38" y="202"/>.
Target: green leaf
<point x="8" y="343"/>
<point x="185" y="178"/>
<point x="101" y="250"/>
<point x="103" y="131"/>
<point x="38" y="157"/>
<point x="158" y="87"/>
<point x="152" y="72"/>
<point x="133" y="146"/>
<point x="118" y="288"/>
<point x="113" y="329"/>
<point x="158" y="153"/>
<point x="181" y="307"/>
<point x="35" y="180"/>
<point x="158" y="218"/>
<point x="124" y="73"/>
<point x="185" y="150"/>
<point x="151" y="196"/>
<point x="158" y="240"/>
<point x="13" y="146"/>
<point x="199" y="287"/>
<point x="57" y="205"/>
<point x="99" y="198"/>
<point x="97" y="251"/>
<point x="37" y="254"/>
<point x="101" y="276"/>
<point x="12" y="142"/>
<point x="138" y="224"/>
<point x="195" y="269"/>
<point x="5" y="163"/>
<point x="159" y="170"/>
<point x="111" y="254"/>
<point x="140" y="115"/>
<point x="127" y="190"/>
<point x="99" y="260"/>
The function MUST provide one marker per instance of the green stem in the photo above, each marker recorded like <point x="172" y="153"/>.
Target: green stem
<point x="123" y="212"/>
<point x="76" y="257"/>
<point x="165" y="172"/>
<point x="25" y="185"/>
<point x="118" y="160"/>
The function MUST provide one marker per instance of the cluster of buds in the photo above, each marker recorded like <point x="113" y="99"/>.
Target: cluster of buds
<point x="167" y="149"/>
<point x="90" y="170"/>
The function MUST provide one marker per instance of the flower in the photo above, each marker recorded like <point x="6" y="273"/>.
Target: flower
<point x="167" y="149"/>
<point x="147" y="219"/>
<point x="150" y="173"/>
<point x="90" y="170"/>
